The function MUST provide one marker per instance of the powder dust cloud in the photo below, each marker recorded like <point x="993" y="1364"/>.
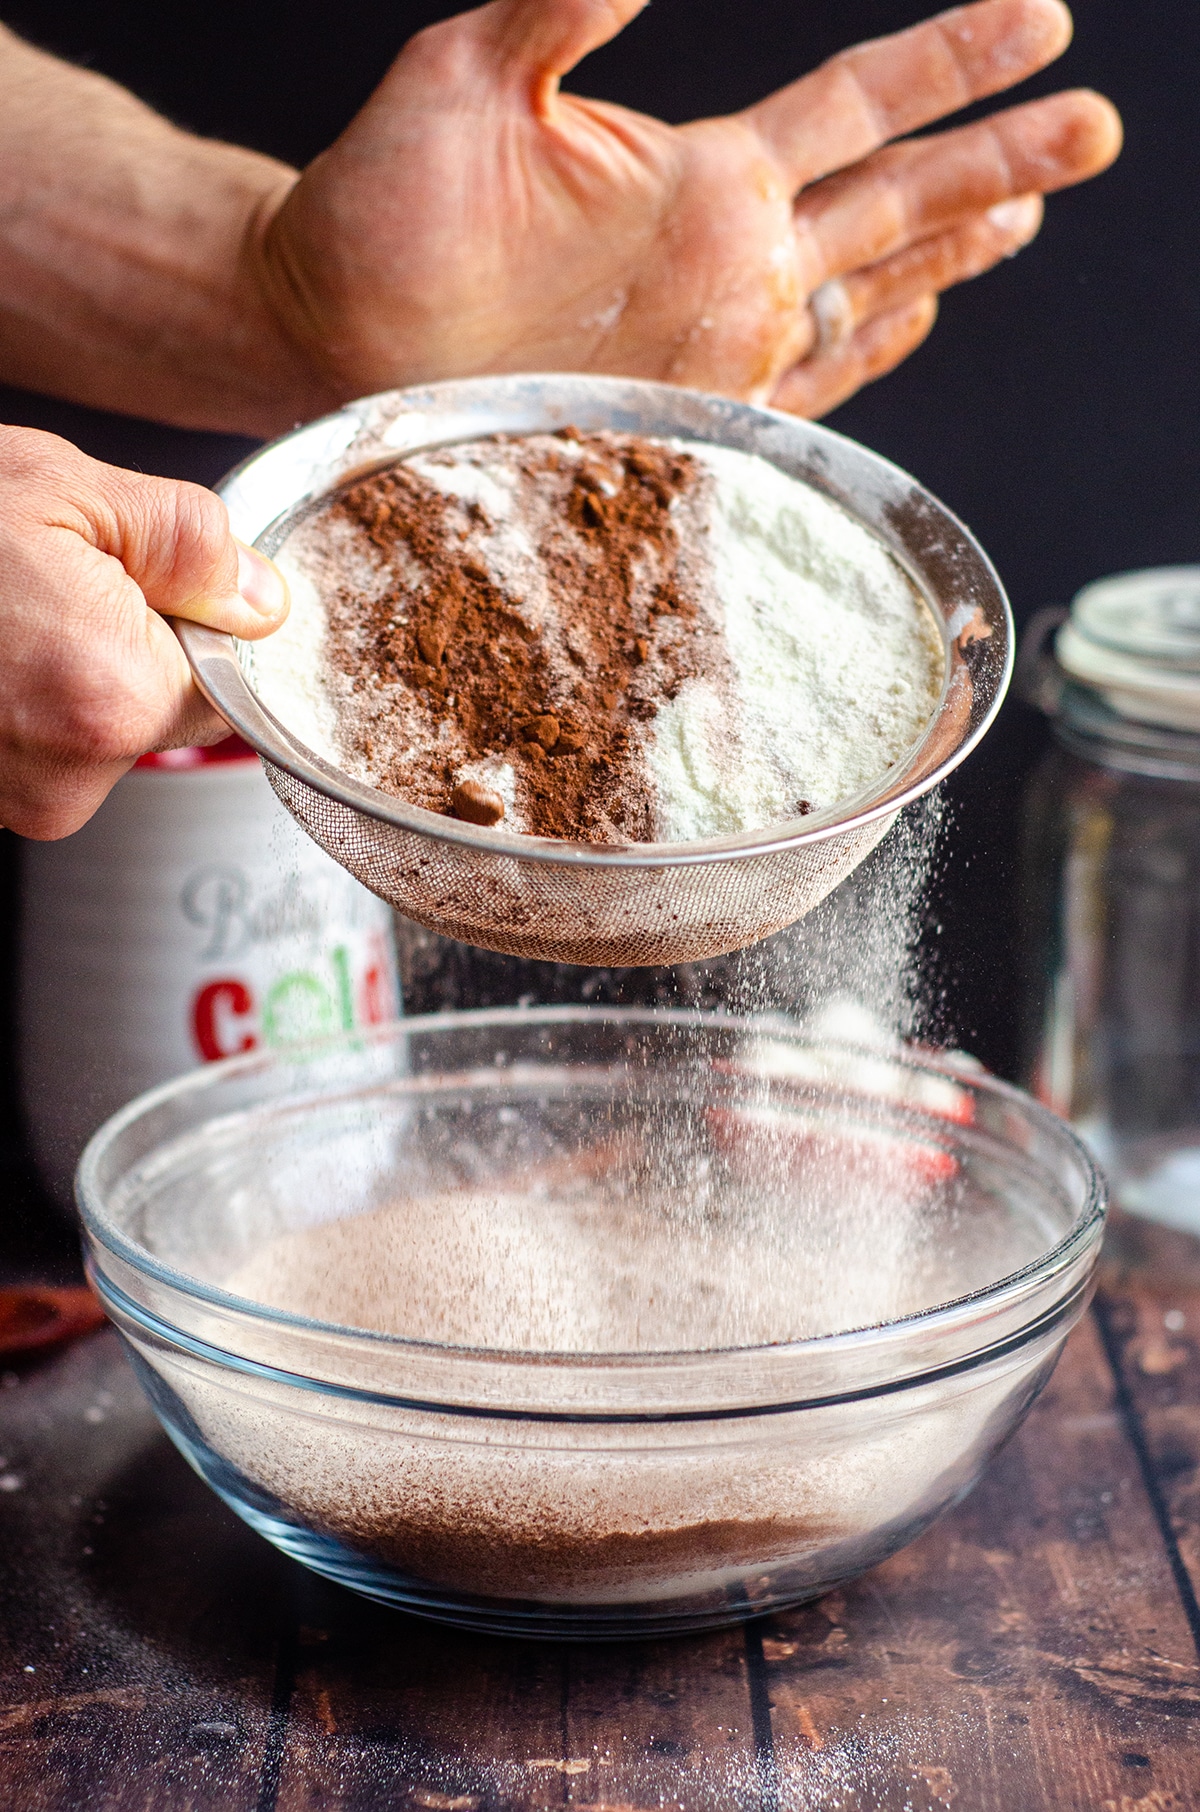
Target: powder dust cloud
<point x="703" y="1209"/>
<point x="852" y="969"/>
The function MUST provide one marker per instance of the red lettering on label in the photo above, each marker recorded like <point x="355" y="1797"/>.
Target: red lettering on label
<point x="377" y="991"/>
<point x="373" y="1010"/>
<point x="221" y="1001"/>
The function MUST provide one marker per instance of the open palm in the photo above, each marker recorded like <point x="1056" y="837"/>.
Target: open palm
<point x="473" y="218"/>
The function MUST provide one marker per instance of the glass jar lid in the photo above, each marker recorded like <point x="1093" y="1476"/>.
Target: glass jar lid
<point x="1135" y="639"/>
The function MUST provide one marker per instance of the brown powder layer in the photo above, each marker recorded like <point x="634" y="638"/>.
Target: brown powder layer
<point x="559" y="701"/>
<point x="481" y="1554"/>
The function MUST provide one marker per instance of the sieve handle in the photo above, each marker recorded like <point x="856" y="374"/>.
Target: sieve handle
<point x="215" y="668"/>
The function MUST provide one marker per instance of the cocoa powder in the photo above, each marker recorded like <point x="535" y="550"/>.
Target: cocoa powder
<point x="468" y="1547"/>
<point x="558" y="702"/>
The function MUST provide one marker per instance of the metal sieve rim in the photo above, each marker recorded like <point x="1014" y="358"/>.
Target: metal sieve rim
<point x="941" y="556"/>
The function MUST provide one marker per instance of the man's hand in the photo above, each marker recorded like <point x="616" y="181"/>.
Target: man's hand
<point x="91" y="560"/>
<point x="473" y="218"/>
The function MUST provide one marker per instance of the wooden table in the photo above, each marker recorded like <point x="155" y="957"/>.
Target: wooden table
<point x="1036" y="1649"/>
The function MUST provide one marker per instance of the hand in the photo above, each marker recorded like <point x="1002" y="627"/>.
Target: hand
<point x="92" y="676"/>
<point x="473" y="218"/>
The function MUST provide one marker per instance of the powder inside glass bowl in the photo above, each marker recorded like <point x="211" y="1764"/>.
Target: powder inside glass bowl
<point x="672" y="1224"/>
<point x="693" y="1221"/>
<point x="546" y="1272"/>
<point x="578" y="1514"/>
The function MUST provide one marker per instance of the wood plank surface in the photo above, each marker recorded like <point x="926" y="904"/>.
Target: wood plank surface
<point x="137" y="1621"/>
<point x="1148" y="1309"/>
<point x="1034" y="1650"/>
<point x="440" y="1715"/>
<point x="1030" y="1651"/>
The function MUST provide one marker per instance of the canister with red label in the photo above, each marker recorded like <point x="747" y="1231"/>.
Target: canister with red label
<point x="190" y="919"/>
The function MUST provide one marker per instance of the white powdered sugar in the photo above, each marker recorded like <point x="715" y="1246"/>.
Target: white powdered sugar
<point x="290" y="671"/>
<point x="837" y="663"/>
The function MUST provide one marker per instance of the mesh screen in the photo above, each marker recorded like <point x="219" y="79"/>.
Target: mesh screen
<point x="609" y="917"/>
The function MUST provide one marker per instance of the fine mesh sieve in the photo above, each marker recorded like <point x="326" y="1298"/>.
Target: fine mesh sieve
<point x="608" y="905"/>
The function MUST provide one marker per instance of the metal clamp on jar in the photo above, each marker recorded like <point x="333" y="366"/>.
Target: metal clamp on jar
<point x="1112" y="870"/>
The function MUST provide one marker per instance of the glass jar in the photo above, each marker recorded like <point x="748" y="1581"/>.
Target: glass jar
<point x="1112" y="872"/>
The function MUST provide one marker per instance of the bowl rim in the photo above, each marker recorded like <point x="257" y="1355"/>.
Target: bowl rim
<point x="979" y="1306"/>
<point x="320" y="456"/>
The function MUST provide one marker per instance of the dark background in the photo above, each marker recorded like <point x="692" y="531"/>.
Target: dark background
<point x="1055" y="407"/>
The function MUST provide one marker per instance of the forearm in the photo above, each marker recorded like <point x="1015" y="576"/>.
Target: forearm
<point x="128" y="258"/>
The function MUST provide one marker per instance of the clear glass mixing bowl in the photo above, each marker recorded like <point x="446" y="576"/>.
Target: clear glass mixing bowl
<point x="836" y="1280"/>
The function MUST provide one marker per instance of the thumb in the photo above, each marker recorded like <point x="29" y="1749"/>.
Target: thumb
<point x="175" y="543"/>
<point x="540" y="40"/>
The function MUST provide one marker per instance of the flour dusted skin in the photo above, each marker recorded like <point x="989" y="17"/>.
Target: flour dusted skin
<point x="601" y="637"/>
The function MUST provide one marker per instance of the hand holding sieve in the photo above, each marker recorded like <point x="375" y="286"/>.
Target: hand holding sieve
<point x="628" y="904"/>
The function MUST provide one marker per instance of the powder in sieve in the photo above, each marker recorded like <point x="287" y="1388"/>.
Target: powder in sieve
<point x="600" y="636"/>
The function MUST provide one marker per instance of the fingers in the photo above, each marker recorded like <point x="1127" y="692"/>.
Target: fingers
<point x="51" y="782"/>
<point x="262" y="586"/>
<point x="89" y="679"/>
<point x="92" y="560"/>
<point x="827" y="379"/>
<point x="935" y="264"/>
<point x="540" y="40"/>
<point x="859" y="100"/>
<point x="914" y="190"/>
<point x="174" y="542"/>
<point x="891" y="306"/>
